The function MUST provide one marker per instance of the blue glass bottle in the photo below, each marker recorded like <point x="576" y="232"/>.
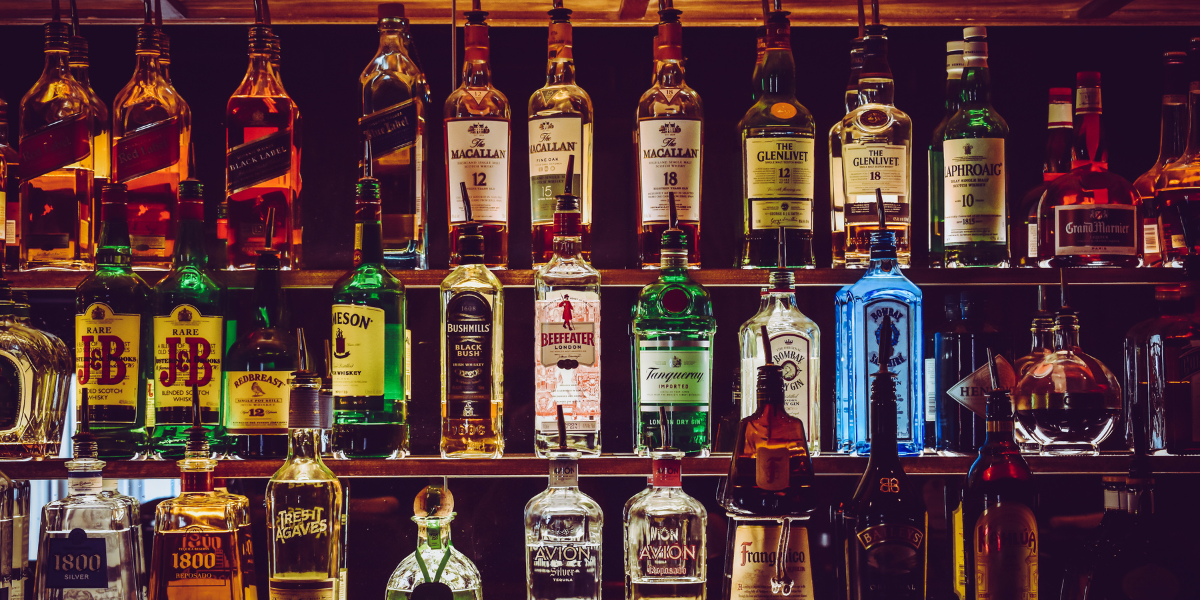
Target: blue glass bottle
<point x="860" y="308"/>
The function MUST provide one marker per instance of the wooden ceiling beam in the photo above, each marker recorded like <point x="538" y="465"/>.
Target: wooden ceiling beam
<point x="1099" y="9"/>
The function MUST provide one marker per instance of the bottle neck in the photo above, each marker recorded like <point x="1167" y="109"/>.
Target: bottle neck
<point x="567" y="246"/>
<point x="477" y="69"/>
<point x="148" y="67"/>
<point x="977" y="84"/>
<point x="773" y="300"/>
<point x="669" y="73"/>
<point x="268" y="293"/>
<point x="1091" y="148"/>
<point x="999" y="439"/>
<point x="303" y="444"/>
<point x="261" y="66"/>
<point x="390" y="40"/>
<point x="673" y="265"/>
<point x="433" y="533"/>
<point x="1171" y="144"/>
<point x="883" y="429"/>
<point x="1042" y="335"/>
<point x="1193" y="103"/>
<point x="58" y="63"/>
<point x="112" y="246"/>
<point x="1066" y="337"/>
<point x="368" y="235"/>
<point x="80" y="73"/>
<point x="560" y="61"/>
<point x="777" y="77"/>
<point x="189" y="236"/>
<point x="954" y="90"/>
<point x="876" y="89"/>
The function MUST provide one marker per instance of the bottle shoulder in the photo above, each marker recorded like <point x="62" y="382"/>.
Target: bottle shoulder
<point x="771" y="114"/>
<point x="304" y="473"/>
<point x="566" y="272"/>
<point x="476" y="278"/>
<point x="556" y="503"/>
<point x="664" y="502"/>
<point x="680" y="102"/>
<point x="976" y="121"/>
<point x="476" y="102"/>
<point x="123" y="290"/>
<point x="187" y="285"/>
<point x="561" y="100"/>
<point x="370" y="279"/>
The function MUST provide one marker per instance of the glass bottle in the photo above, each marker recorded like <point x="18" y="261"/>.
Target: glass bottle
<point x="152" y="130"/>
<point x="1179" y="188"/>
<point x="395" y="113"/>
<point x="101" y="121"/>
<point x="778" y="140"/>
<point x="560" y="128"/>
<point x="1089" y="217"/>
<point x="672" y="330"/>
<point x="22" y="576"/>
<point x="371" y="413"/>
<point x="1060" y="138"/>
<point x="113" y="330"/>
<point x="669" y="142"/>
<point x="189" y="333"/>
<point x="472" y="302"/>
<point x="886" y="523"/>
<point x="108" y="490"/>
<point x="567" y="337"/>
<point x="261" y="130"/>
<point x="961" y="379"/>
<point x="975" y="190"/>
<point x="31" y="367"/>
<point x="435" y="563"/>
<point x="563" y="529"/>
<point x="876" y="149"/>
<point x="88" y="541"/>
<point x="837" y="188"/>
<point x="1156" y="369"/>
<point x="665" y="547"/>
<point x="476" y="125"/>
<point x="304" y="505"/>
<point x="937" y="164"/>
<point x="1042" y="330"/>
<point x="12" y="193"/>
<point x="57" y="387"/>
<point x="58" y="163"/>
<point x="1158" y="230"/>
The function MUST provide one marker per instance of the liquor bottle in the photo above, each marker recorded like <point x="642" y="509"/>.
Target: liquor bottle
<point x="795" y="342"/>
<point x="837" y="188"/>
<point x="1179" y="194"/>
<point x="563" y="532"/>
<point x="672" y="334"/>
<point x="476" y="125"/>
<point x="304" y="504"/>
<point x="560" y="129"/>
<point x="258" y="365"/>
<point x="101" y="121"/>
<point x="36" y="372"/>
<point x="436" y="566"/>
<point x="395" y="114"/>
<point x="1001" y="547"/>
<point x="669" y="142"/>
<point x="665" y="529"/>
<point x="1089" y="217"/>
<point x="937" y="164"/>
<point x="778" y="139"/>
<point x="108" y="490"/>
<point x="1152" y="374"/>
<point x="371" y="412"/>
<point x="1157" y="243"/>
<point x="567" y="336"/>
<point x="886" y="524"/>
<point x="472" y="302"/>
<point x="1060" y="138"/>
<point x="12" y="193"/>
<point x="22" y="575"/>
<point x="961" y="379"/>
<point x="262" y="168"/>
<point x="113" y="331"/>
<point x="189" y="333"/>
<point x="1042" y="330"/>
<point x="87" y="541"/>
<point x="760" y="49"/>
<point x="57" y="163"/>
<point x="58" y="384"/>
<point x="876" y="148"/>
<point x="730" y="417"/>
<point x="152" y="129"/>
<point x="882" y="292"/>
<point x="975" y="182"/>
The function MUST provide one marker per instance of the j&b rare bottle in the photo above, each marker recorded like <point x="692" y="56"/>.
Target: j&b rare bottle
<point x="436" y="569"/>
<point x="665" y="546"/>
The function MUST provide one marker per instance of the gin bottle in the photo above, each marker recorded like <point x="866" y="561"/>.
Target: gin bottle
<point x="567" y="337"/>
<point x="665" y="550"/>
<point x="436" y="566"/>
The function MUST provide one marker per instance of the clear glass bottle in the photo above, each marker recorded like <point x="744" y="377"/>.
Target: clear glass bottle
<point x="937" y="163"/>
<point x="560" y="128"/>
<point x="1056" y="162"/>
<point x="1179" y="186"/>
<point x="108" y="490"/>
<point x="665" y="553"/>
<point x="563" y="528"/>
<point x="22" y="575"/>
<point x="12" y="193"/>
<point x="395" y="117"/>
<point x="1158" y="229"/>
<point x="435" y="562"/>
<point x="1042" y="330"/>
<point x="837" y="188"/>
<point x="33" y="369"/>
<point x="58" y="388"/>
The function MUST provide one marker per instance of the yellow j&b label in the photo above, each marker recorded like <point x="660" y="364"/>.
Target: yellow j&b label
<point x="187" y="352"/>
<point x="107" y="350"/>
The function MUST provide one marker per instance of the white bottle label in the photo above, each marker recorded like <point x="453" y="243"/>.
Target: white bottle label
<point x="1102" y="228"/>
<point x="669" y="161"/>
<point x="674" y="373"/>
<point x="84" y="482"/>
<point x="902" y="353"/>
<point x="1150" y="238"/>
<point x="779" y="182"/>
<point x="1031" y="244"/>
<point x="552" y="141"/>
<point x="792" y="352"/>
<point x="358" y="350"/>
<point x="866" y="167"/>
<point x="930" y="389"/>
<point x="564" y="473"/>
<point x="187" y="350"/>
<point x="477" y="154"/>
<point x="107" y="349"/>
<point x="567" y="361"/>
<point x="754" y="561"/>
<point x="974" y="190"/>
<point x="257" y="401"/>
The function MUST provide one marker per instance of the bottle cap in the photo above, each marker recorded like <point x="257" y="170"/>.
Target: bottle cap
<point x="1060" y="95"/>
<point x="390" y="10"/>
<point x="57" y="36"/>
<point x="79" y="51"/>
<point x="974" y="32"/>
<point x="114" y="193"/>
<point x="367" y="190"/>
<point x="304" y="403"/>
<point x="954" y="46"/>
<point x="559" y="14"/>
<point x="1087" y="79"/>
<point x="975" y="49"/>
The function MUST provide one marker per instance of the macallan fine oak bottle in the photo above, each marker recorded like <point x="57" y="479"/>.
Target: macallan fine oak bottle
<point x="668" y="141"/>
<point x="477" y="122"/>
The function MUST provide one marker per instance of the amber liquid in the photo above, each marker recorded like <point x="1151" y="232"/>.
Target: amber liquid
<point x="650" y="244"/>
<point x="858" y="243"/>
<point x="543" y="242"/>
<point x="473" y="438"/>
<point x="251" y="118"/>
<point x="151" y="210"/>
<point x="172" y="578"/>
<point x="56" y="220"/>
<point x="495" y="245"/>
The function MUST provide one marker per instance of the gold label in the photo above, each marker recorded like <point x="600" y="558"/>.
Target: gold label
<point x="187" y="352"/>
<point x="107" y="348"/>
<point x="754" y="559"/>
<point x="257" y="400"/>
<point x="960" y="556"/>
<point x="771" y="470"/>
<point x="358" y="352"/>
<point x="1006" y="553"/>
<point x="783" y="110"/>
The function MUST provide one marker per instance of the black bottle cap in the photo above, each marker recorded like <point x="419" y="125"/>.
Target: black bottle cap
<point x="390" y="10"/>
<point x="476" y="16"/>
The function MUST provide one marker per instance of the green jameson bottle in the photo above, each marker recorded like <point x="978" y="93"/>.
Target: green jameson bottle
<point x="188" y="334"/>
<point x="112" y="334"/>
<point x="370" y="412"/>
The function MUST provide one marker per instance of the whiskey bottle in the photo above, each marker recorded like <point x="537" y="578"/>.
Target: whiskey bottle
<point x="262" y="166"/>
<point x="304" y="505"/>
<point x="12" y="193"/>
<point x="1089" y="217"/>
<point x="476" y="124"/>
<point x="1060" y="138"/>
<point x="37" y="373"/>
<point x="669" y="142"/>
<point x="101" y="121"/>
<point x="57" y="163"/>
<point x="1153" y="376"/>
<point x="837" y="191"/>
<point x="560" y="128"/>
<point x="665" y="531"/>
<point x="370" y="407"/>
<point x="1179" y="187"/>
<point x="961" y="373"/>
<point x="975" y="188"/>
<point x="152" y="128"/>
<point x="778" y="139"/>
<point x="937" y="164"/>
<point x="436" y="566"/>
<point x="1157" y="242"/>
<point x="113" y="331"/>
<point x="395" y="115"/>
<point x="472" y="301"/>
<point x="189" y="332"/>
<point x="885" y="523"/>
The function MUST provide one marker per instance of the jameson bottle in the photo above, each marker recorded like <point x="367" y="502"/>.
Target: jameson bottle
<point x="370" y="407"/>
<point x="112" y="337"/>
<point x="189" y="334"/>
<point x="560" y="126"/>
<point x="954" y="71"/>
<point x="778" y="139"/>
<point x="395" y="113"/>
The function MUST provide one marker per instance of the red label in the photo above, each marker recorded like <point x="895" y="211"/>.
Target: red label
<point x="55" y="146"/>
<point x="147" y="149"/>
<point x="667" y="473"/>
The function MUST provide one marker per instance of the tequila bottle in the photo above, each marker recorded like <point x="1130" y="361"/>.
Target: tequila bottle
<point x="1060" y="137"/>
<point x="1179" y="184"/>
<point x="395" y="115"/>
<point x="560" y="129"/>
<point x="370" y="408"/>
<point x="113" y="330"/>
<point x="436" y="565"/>
<point x="108" y="490"/>
<point x="37" y="372"/>
<point x="837" y="188"/>
<point x="22" y="575"/>
<point x="937" y="163"/>
<point x="189" y="333"/>
<point x="567" y="337"/>
<point x="665" y="549"/>
<point x="1158" y="229"/>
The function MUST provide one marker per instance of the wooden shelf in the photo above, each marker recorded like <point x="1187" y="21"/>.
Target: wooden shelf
<point x="611" y="465"/>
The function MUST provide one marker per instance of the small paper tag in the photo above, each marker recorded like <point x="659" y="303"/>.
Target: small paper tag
<point x="564" y="473"/>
